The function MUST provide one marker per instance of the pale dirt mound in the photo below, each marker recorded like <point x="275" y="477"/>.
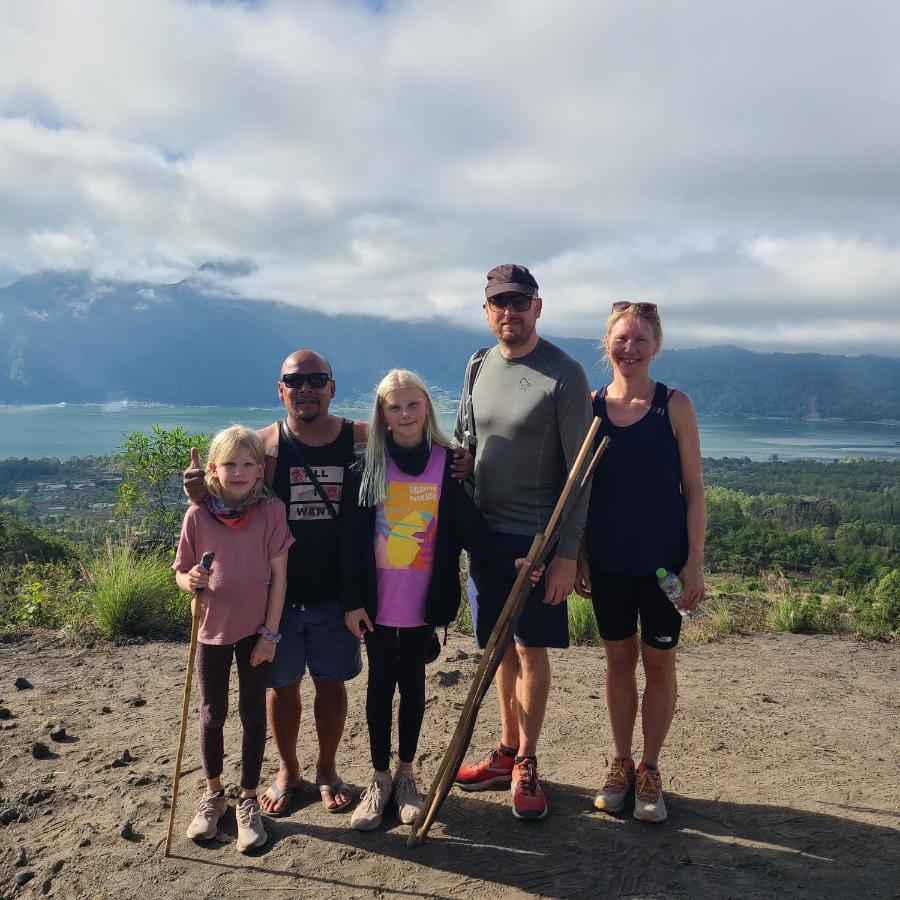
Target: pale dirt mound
<point x="781" y="771"/>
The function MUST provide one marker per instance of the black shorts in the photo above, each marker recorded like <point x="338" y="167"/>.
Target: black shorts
<point x="540" y="625"/>
<point x="619" y="600"/>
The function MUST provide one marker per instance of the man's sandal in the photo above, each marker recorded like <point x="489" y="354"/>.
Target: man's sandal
<point x="330" y="790"/>
<point x="276" y="794"/>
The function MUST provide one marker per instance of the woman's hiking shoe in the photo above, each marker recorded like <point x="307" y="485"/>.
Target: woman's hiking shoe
<point x="372" y="803"/>
<point x="619" y="781"/>
<point x="649" y="805"/>
<point x="527" y="796"/>
<point x="251" y="832"/>
<point x="494" y="771"/>
<point x="407" y="797"/>
<point x="205" y="823"/>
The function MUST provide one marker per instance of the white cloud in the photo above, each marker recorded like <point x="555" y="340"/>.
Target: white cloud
<point x="736" y="163"/>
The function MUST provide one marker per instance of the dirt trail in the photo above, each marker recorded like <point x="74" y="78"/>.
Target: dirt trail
<point x="781" y="770"/>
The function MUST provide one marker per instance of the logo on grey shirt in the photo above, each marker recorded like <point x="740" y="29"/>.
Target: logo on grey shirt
<point x="524" y="383"/>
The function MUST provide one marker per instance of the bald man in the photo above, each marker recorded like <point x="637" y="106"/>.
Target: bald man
<point x="307" y="455"/>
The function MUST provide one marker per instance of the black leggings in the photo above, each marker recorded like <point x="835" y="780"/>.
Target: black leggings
<point x="396" y="658"/>
<point x="213" y="671"/>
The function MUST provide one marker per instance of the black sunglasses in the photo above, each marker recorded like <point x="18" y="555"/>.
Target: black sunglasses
<point x="316" y="380"/>
<point x="519" y="302"/>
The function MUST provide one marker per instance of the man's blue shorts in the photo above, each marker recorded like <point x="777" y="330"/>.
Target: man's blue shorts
<point x="315" y="637"/>
<point x="541" y="625"/>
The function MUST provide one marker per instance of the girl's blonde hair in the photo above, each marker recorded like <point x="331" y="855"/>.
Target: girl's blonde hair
<point x="224" y="446"/>
<point x="651" y="316"/>
<point x="373" y="488"/>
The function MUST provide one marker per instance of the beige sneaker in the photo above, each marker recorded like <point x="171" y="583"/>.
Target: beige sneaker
<point x="205" y="823"/>
<point x="619" y="781"/>
<point x="251" y="832"/>
<point x="649" y="805"/>
<point x="407" y="796"/>
<point x="372" y="803"/>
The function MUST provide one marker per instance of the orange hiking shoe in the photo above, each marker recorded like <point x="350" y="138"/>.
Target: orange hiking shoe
<point x="528" y="798"/>
<point x="619" y="781"/>
<point x="494" y="771"/>
<point x="649" y="805"/>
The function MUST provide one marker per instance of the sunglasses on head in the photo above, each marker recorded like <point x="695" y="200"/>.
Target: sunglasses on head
<point x="643" y="309"/>
<point x="519" y="302"/>
<point x="316" y="380"/>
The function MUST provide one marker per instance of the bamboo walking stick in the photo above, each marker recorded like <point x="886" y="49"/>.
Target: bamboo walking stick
<point x="500" y="637"/>
<point x="205" y="563"/>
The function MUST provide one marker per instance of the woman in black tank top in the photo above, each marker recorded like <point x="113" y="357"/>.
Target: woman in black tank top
<point x="647" y="511"/>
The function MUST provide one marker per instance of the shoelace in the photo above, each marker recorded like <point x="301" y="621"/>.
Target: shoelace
<point x="248" y="814"/>
<point x="617" y="778"/>
<point x="528" y="779"/>
<point x="493" y="758"/>
<point x="405" y="790"/>
<point x="373" y="796"/>
<point x="209" y="805"/>
<point x="649" y="785"/>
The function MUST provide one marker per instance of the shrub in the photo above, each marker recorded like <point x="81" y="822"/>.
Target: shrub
<point x="21" y="541"/>
<point x="582" y="624"/>
<point x="721" y="618"/>
<point x="42" y="595"/>
<point x="131" y="593"/>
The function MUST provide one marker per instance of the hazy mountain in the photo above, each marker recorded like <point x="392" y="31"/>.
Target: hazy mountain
<point x="65" y="337"/>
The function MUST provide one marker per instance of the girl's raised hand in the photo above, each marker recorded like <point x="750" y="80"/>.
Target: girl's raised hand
<point x="263" y="651"/>
<point x="358" y="621"/>
<point x="536" y="574"/>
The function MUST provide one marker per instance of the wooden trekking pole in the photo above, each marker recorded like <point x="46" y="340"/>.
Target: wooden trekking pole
<point x="502" y="633"/>
<point x="205" y="563"/>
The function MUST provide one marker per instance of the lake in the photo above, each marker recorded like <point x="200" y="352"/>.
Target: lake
<point x="83" y="429"/>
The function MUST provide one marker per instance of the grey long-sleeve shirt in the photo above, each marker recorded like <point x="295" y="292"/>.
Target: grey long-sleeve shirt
<point x="531" y="417"/>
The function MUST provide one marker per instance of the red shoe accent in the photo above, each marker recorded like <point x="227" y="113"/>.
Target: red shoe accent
<point x="528" y="798"/>
<point x="494" y="771"/>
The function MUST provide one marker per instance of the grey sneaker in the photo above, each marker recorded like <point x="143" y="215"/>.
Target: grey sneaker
<point x="372" y="803"/>
<point x="407" y="797"/>
<point x="649" y="805"/>
<point x="250" y="827"/>
<point x="619" y="781"/>
<point x="205" y="823"/>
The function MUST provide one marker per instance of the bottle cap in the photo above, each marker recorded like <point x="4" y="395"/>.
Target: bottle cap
<point x="661" y="573"/>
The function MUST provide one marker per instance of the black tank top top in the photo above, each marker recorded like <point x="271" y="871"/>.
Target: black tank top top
<point x="312" y="574"/>
<point x="637" y="518"/>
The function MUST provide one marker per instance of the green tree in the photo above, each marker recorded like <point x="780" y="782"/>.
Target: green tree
<point x="151" y="477"/>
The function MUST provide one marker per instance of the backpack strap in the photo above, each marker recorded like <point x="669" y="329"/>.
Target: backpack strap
<point x="470" y="439"/>
<point x="310" y="474"/>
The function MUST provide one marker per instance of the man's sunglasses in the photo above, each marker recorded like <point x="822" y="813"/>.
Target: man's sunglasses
<point x="519" y="302"/>
<point x="316" y="380"/>
<point x="643" y="309"/>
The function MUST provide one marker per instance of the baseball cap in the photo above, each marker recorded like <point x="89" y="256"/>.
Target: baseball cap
<point x="510" y="278"/>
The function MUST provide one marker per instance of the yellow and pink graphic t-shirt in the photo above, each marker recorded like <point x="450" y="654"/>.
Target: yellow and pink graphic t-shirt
<point x="405" y="532"/>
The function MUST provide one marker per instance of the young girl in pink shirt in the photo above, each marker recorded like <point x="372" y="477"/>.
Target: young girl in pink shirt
<point x="404" y="523"/>
<point x="243" y="595"/>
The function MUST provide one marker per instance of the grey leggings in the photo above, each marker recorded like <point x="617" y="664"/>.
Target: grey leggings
<point x="213" y="671"/>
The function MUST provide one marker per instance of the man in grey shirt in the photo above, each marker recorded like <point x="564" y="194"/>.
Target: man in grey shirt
<point x="530" y="408"/>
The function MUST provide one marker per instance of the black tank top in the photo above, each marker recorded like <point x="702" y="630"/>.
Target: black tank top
<point x="312" y="574"/>
<point x="637" y="519"/>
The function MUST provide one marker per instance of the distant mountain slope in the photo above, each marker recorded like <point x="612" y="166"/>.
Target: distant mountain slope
<point x="67" y="338"/>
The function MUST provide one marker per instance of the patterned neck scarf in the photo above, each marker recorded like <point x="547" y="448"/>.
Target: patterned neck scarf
<point x="232" y="516"/>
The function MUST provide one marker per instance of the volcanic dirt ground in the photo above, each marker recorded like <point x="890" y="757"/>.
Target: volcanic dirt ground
<point x="780" y="774"/>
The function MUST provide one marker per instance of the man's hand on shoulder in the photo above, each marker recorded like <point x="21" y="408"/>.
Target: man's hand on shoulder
<point x="194" y="479"/>
<point x="560" y="580"/>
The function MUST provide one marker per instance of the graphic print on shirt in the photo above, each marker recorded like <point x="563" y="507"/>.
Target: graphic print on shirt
<point x="405" y="526"/>
<point x="305" y="500"/>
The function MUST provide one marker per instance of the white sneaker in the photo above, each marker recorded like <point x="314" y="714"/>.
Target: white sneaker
<point x="649" y="805"/>
<point x="205" y="823"/>
<point x="619" y="781"/>
<point x="407" y="796"/>
<point x="251" y="832"/>
<point x="372" y="803"/>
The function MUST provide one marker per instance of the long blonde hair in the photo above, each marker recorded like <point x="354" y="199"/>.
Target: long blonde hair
<point x="224" y="446"/>
<point x="650" y="316"/>
<point x="373" y="488"/>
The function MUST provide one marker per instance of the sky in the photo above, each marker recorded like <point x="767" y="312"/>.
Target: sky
<point x="736" y="163"/>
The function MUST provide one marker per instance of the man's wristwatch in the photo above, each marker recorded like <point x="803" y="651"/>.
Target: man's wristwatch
<point x="274" y="638"/>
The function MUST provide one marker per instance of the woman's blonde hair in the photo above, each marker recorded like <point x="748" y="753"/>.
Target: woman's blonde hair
<point x="640" y="310"/>
<point x="224" y="447"/>
<point x="373" y="488"/>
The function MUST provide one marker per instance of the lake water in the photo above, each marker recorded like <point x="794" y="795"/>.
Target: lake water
<point x="95" y="429"/>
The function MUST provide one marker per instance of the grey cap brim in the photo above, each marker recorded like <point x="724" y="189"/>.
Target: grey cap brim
<point x="529" y="290"/>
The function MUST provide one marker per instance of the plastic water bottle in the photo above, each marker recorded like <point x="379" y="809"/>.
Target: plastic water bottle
<point x="670" y="584"/>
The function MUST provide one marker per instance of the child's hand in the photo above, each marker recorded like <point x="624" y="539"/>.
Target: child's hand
<point x="263" y="651"/>
<point x="358" y="621"/>
<point x="536" y="574"/>
<point x="198" y="578"/>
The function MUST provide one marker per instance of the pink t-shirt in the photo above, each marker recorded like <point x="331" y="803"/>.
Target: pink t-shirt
<point x="234" y="604"/>
<point x="405" y="531"/>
